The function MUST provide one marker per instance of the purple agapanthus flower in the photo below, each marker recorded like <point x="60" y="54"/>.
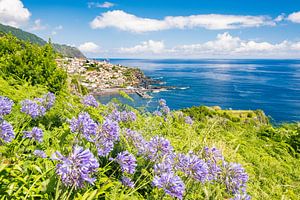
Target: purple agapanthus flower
<point x="213" y="158"/>
<point x="193" y="166"/>
<point x="166" y="165"/>
<point x="36" y="134"/>
<point x="89" y="100"/>
<point x="49" y="100"/>
<point x="40" y="153"/>
<point x="235" y="178"/>
<point x="137" y="140"/>
<point x="110" y="130"/>
<point x="106" y="137"/>
<point x="165" y="110"/>
<point x="77" y="168"/>
<point x="127" y="116"/>
<point x="32" y="108"/>
<point x="171" y="184"/>
<point x="162" y="102"/>
<point x="5" y="105"/>
<point x="188" y="120"/>
<point x="104" y="147"/>
<point x="127" y="182"/>
<point x="241" y="197"/>
<point x="115" y="115"/>
<point x="127" y="162"/>
<point x="158" y="147"/>
<point x="6" y="131"/>
<point x="157" y="113"/>
<point x="84" y="125"/>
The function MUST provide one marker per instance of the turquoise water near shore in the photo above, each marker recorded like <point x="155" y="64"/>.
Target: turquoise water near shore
<point x="270" y="85"/>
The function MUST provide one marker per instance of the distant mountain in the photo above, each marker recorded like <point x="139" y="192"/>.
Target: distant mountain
<point x="64" y="50"/>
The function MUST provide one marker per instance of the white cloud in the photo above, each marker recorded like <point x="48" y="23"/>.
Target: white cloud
<point x="224" y="46"/>
<point x="294" y="17"/>
<point x="149" y="46"/>
<point x="280" y="17"/>
<point x="38" y="26"/>
<point x="128" y="22"/>
<point x="227" y="45"/>
<point x="53" y="33"/>
<point x="13" y="13"/>
<point x="89" y="47"/>
<point x="106" y="4"/>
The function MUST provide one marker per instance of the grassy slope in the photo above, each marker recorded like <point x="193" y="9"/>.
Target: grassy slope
<point x="273" y="169"/>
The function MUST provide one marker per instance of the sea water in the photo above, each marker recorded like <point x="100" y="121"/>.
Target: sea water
<point x="270" y="85"/>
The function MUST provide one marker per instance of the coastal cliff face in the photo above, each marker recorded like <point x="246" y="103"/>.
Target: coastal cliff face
<point x="98" y="76"/>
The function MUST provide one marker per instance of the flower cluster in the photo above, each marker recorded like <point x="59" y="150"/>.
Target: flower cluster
<point x="32" y="108"/>
<point x="89" y="100"/>
<point x="6" y="131"/>
<point x="123" y="116"/>
<point x="128" y="116"/>
<point x="235" y="178"/>
<point x="188" y="120"/>
<point x="127" y="182"/>
<point x="137" y="140"/>
<point x="193" y="166"/>
<point x="158" y="147"/>
<point x="162" y="109"/>
<point x="127" y="162"/>
<point x="40" y="153"/>
<point x="106" y="137"/>
<point x="36" y="134"/>
<point x="213" y="156"/>
<point x="77" y="168"/>
<point x="84" y="125"/>
<point x="171" y="184"/>
<point x="47" y="100"/>
<point x="5" y="105"/>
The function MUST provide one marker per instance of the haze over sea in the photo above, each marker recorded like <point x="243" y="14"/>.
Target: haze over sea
<point x="270" y="85"/>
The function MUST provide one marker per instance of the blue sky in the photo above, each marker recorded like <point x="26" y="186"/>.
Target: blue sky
<point x="164" y="28"/>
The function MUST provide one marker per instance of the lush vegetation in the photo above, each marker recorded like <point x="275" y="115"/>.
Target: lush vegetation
<point x="42" y="158"/>
<point x="31" y="63"/>
<point x="64" y="50"/>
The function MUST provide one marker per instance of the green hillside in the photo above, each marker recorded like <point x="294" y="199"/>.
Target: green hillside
<point x="64" y="50"/>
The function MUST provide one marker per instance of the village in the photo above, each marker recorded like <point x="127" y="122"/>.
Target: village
<point x="102" y="77"/>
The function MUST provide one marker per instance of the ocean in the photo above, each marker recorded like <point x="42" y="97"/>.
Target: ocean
<point x="270" y="85"/>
